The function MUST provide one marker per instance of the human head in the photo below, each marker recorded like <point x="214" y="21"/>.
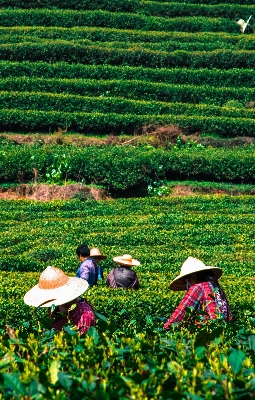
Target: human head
<point x="83" y="251"/>
<point x="206" y="276"/>
<point x="190" y="280"/>
<point x="190" y="267"/>
<point x="55" y="287"/>
<point x="201" y="276"/>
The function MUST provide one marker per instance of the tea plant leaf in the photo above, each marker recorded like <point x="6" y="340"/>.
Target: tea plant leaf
<point x="200" y="351"/>
<point x="251" y="342"/>
<point x="101" y="316"/>
<point x="65" y="380"/>
<point x="12" y="382"/>
<point x="53" y="370"/>
<point x="5" y="360"/>
<point x="235" y="359"/>
<point x="36" y="387"/>
<point x="193" y="396"/>
<point x="70" y="330"/>
<point x="92" y="332"/>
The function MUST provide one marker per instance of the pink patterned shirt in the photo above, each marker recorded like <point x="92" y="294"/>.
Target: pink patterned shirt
<point x="82" y="316"/>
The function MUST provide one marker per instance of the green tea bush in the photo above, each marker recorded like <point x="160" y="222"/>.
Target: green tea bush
<point x="71" y="52"/>
<point x="119" y="105"/>
<point x="142" y="46"/>
<point x="71" y="18"/>
<point x="130" y="89"/>
<point x="149" y="7"/>
<point x="128" y="354"/>
<point x="215" y="77"/>
<point x="30" y="120"/>
<point x="180" y="9"/>
<point x="112" y="5"/>
<point x="248" y="2"/>
<point x="120" y="168"/>
<point x="103" y="34"/>
<point x="107" y="366"/>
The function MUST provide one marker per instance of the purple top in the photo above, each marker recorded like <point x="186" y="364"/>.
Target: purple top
<point x="87" y="271"/>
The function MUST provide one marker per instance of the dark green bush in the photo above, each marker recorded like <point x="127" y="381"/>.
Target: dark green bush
<point x="109" y="5"/>
<point x="41" y="121"/>
<point x="71" y="18"/>
<point x="156" y="8"/>
<point x="58" y="50"/>
<point x="120" y="168"/>
<point x="103" y="34"/>
<point x="213" y="77"/>
<point x="180" y="9"/>
<point x="119" y="105"/>
<point x="131" y="89"/>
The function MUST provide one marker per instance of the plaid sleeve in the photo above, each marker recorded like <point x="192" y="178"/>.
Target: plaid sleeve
<point x="110" y="281"/>
<point x="191" y="299"/>
<point x="135" y="283"/>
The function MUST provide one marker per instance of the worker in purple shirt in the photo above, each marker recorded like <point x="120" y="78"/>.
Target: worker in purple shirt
<point x="88" y="268"/>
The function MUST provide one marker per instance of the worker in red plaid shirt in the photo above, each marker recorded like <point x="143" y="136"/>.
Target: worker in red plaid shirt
<point x="55" y="288"/>
<point x="204" y="293"/>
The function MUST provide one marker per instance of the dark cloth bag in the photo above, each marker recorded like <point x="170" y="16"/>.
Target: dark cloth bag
<point x="124" y="277"/>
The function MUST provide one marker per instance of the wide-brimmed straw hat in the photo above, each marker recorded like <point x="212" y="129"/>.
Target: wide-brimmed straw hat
<point x="126" y="259"/>
<point x="95" y="253"/>
<point x="55" y="287"/>
<point x="190" y="266"/>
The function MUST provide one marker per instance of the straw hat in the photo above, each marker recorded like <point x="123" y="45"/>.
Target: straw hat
<point x="126" y="259"/>
<point x="242" y="25"/>
<point x="190" y="266"/>
<point x="55" y="287"/>
<point x="95" y="253"/>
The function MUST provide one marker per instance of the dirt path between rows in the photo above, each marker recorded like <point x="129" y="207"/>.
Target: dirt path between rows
<point x="44" y="192"/>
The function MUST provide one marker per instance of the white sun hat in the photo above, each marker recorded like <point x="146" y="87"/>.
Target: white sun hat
<point x="243" y="25"/>
<point x="55" y="287"/>
<point x="126" y="259"/>
<point x="190" y="266"/>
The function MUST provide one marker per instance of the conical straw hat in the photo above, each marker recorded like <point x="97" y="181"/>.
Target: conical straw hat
<point x="95" y="253"/>
<point x="190" y="266"/>
<point x="126" y="259"/>
<point x="55" y="287"/>
<point x="243" y="24"/>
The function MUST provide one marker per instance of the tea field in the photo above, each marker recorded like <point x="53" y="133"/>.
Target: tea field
<point x="112" y="67"/>
<point x="128" y="355"/>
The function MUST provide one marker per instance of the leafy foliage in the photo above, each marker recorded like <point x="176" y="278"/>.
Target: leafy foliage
<point x="128" y="354"/>
<point x="121" y="167"/>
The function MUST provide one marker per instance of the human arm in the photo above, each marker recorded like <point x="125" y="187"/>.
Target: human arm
<point x="83" y="272"/>
<point x="135" y="283"/>
<point x="110" y="281"/>
<point x="191" y="298"/>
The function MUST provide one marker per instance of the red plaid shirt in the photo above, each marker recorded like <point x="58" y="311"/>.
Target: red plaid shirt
<point x="82" y="316"/>
<point x="201" y="296"/>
